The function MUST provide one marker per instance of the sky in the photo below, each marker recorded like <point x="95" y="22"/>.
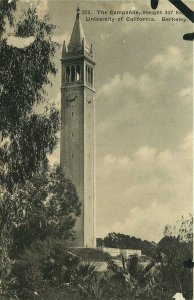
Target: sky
<point x="144" y="92"/>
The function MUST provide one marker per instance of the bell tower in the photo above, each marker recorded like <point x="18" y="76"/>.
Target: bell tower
<point x="77" y="147"/>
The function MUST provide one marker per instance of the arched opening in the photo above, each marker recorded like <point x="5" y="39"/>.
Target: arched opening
<point x="78" y="73"/>
<point x="72" y="73"/>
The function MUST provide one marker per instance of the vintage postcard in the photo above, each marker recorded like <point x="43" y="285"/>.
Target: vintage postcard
<point x="96" y="123"/>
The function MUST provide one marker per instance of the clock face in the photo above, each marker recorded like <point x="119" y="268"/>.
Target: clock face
<point x="71" y="97"/>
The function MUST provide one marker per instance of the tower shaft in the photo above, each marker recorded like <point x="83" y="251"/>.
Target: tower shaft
<point x="77" y="148"/>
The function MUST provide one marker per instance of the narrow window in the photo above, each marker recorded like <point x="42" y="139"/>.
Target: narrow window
<point x="72" y="113"/>
<point x="71" y="155"/>
<point x="86" y="73"/>
<point x="67" y="74"/>
<point x="92" y="76"/>
<point x="89" y="74"/>
<point x="72" y="134"/>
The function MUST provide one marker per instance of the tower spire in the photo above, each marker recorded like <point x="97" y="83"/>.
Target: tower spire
<point x="77" y="35"/>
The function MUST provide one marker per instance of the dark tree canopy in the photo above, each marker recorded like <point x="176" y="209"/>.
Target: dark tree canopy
<point x="27" y="137"/>
<point x="36" y="201"/>
<point x="24" y="71"/>
<point x="176" y="247"/>
<point x="46" y="205"/>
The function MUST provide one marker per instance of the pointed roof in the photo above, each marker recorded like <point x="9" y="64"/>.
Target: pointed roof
<point x="77" y="40"/>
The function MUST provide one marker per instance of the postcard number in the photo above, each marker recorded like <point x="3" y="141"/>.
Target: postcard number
<point x="85" y="12"/>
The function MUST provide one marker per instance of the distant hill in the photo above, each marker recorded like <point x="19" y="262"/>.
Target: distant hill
<point x="122" y="241"/>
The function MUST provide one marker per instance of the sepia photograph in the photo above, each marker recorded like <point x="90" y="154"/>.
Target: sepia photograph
<point x="96" y="150"/>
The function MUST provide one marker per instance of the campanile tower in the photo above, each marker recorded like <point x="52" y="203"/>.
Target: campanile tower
<point x="77" y="150"/>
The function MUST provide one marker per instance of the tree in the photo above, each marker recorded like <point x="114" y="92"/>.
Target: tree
<point x="43" y="267"/>
<point x="46" y="205"/>
<point x="27" y="137"/>
<point x="6" y="11"/>
<point x="49" y="268"/>
<point x="177" y="247"/>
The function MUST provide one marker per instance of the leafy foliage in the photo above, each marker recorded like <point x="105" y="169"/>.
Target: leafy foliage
<point x="47" y="267"/>
<point x="24" y="71"/>
<point x="47" y="205"/>
<point x="27" y="137"/>
<point x="36" y="201"/>
<point x="6" y="11"/>
<point x="177" y="247"/>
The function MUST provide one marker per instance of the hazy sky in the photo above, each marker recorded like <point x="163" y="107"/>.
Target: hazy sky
<point x="143" y="82"/>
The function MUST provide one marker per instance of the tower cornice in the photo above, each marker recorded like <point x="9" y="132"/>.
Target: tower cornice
<point x="73" y="57"/>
